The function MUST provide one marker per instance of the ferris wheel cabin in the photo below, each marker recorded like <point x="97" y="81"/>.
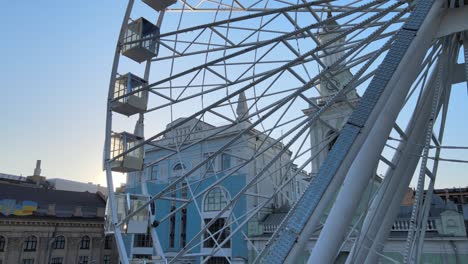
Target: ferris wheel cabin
<point x="126" y="161"/>
<point x="159" y="5"/>
<point x="126" y="100"/>
<point x="141" y="40"/>
<point x="125" y="204"/>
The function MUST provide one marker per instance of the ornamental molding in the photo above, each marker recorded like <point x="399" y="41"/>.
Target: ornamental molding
<point x="51" y="223"/>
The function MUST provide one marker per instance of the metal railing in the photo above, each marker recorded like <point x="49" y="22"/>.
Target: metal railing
<point x="404" y="225"/>
<point x="398" y="225"/>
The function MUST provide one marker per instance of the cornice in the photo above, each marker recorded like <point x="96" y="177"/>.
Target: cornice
<point x="51" y="223"/>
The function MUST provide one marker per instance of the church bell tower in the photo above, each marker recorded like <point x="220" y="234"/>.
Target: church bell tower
<point x="323" y="136"/>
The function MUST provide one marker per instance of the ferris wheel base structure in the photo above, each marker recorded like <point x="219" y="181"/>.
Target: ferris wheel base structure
<point x="350" y="162"/>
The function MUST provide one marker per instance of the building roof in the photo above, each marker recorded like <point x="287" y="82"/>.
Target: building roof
<point x="454" y="190"/>
<point x="67" y="203"/>
<point x="196" y="129"/>
<point x="437" y="207"/>
<point x="274" y="218"/>
<point x="11" y="177"/>
<point x="75" y="186"/>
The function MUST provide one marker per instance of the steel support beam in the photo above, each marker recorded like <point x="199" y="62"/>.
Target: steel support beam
<point x="465" y="51"/>
<point x="364" y="164"/>
<point x="301" y="222"/>
<point x="421" y="206"/>
<point x="458" y="73"/>
<point x="448" y="62"/>
<point x="455" y="20"/>
<point x="380" y="218"/>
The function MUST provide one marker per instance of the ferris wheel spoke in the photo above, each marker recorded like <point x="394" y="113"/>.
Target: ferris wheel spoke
<point x="271" y="41"/>
<point x="417" y="219"/>
<point x="267" y="200"/>
<point x="130" y="149"/>
<point x="465" y="52"/>
<point x="241" y="225"/>
<point x="408" y="142"/>
<point x="259" y="175"/>
<point x="241" y="18"/>
<point x="249" y="214"/>
<point x="243" y="87"/>
<point x="322" y="234"/>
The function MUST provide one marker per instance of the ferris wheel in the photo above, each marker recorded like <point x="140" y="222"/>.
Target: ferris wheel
<point x="229" y="115"/>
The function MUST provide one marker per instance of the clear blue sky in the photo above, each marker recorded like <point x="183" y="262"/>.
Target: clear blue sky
<point x="56" y="58"/>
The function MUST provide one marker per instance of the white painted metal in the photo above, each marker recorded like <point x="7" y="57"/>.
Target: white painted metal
<point x="395" y="182"/>
<point x="363" y="167"/>
<point x="327" y="196"/>
<point x="443" y="86"/>
<point x="107" y="164"/>
<point x="465" y="49"/>
<point x="458" y="73"/>
<point x="409" y="255"/>
<point x="454" y="21"/>
<point x="221" y="47"/>
<point x="371" y="241"/>
<point x="139" y="131"/>
<point x="264" y="77"/>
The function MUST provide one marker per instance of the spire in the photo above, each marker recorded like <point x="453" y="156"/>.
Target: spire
<point x="329" y="31"/>
<point x="242" y="108"/>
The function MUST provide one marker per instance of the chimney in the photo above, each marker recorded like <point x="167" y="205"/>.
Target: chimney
<point x="51" y="210"/>
<point x="78" y="211"/>
<point x="101" y="212"/>
<point x="36" y="177"/>
<point x="37" y="170"/>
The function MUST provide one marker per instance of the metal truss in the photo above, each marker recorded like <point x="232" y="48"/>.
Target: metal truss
<point x="276" y="57"/>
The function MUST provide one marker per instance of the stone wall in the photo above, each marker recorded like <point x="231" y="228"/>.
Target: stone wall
<point x="16" y="231"/>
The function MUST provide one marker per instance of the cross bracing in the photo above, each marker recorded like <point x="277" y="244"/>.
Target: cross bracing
<point x="271" y="75"/>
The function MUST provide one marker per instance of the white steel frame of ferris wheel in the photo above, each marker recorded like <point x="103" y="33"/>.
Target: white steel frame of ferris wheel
<point x="148" y="142"/>
<point x="331" y="236"/>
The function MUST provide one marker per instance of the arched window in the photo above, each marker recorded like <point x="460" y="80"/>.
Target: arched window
<point x="59" y="243"/>
<point x="2" y="243"/>
<point x="215" y="200"/>
<point x="85" y="242"/>
<point x="178" y="167"/>
<point x="30" y="244"/>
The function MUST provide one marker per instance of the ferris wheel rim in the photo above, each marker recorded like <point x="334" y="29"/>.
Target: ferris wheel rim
<point x="206" y="109"/>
